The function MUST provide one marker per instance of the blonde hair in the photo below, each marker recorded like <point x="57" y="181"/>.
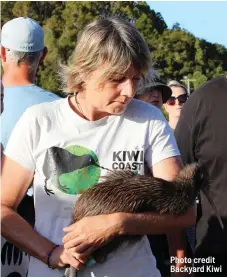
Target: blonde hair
<point x="113" y="44"/>
<point x="174" y="83"/>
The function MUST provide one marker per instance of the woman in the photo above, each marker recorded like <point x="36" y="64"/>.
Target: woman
<point x="176" y="102"/>
<point x="173" y="107"/>
<point x="68" y="144"/>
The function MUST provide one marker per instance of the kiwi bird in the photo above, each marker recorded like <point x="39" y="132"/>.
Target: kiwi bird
<point x="123" y="191"/>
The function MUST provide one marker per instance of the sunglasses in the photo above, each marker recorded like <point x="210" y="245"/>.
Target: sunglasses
<point x="181" y="99"/>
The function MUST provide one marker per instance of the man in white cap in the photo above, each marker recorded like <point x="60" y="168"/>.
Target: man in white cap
<point x="22" y="50"/>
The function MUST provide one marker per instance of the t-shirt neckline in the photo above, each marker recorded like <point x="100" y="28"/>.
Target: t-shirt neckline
<point x="82" y="123"/>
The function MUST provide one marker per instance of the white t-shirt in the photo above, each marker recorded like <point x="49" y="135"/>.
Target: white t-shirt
<point x="64" y="150"/>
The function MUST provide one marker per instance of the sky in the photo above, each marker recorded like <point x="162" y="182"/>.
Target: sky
<point x="204" y="19"/>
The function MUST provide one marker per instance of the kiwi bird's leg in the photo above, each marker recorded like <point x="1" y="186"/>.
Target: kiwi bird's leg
<point x="62" y="187"/>
<point x="48" y="191"/>
<point x="206" y="193"/>
<point x="70" y="272"/>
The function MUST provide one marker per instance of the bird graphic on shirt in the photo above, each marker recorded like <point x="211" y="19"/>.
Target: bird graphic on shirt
<point x="71" y="168"/>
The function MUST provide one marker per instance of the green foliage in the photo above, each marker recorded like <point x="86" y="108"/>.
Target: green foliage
<point x="165" y="113"/>
<point x="176" y="52"/>
<point x="199" y="79"/>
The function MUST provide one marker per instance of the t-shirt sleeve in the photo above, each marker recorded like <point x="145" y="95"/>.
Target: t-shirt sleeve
<point x="21" y="142"/>
<point x="162" y="144"/>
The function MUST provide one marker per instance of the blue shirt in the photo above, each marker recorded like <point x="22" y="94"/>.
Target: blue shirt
<point x="16" y="100"/>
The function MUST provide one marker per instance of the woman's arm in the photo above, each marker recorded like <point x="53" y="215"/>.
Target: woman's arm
<point x="166" y="169"/>
<point x="15" y="183"/>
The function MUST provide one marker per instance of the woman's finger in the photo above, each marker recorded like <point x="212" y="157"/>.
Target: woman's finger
<point x="75" y="263"/>
<point x="80" y="257"/>
<point x="69" y="228"/>
<point x="74" y="242"/>
<point x="81" y="248"/>
<point x="85" y="257"/>
<point x="70" y="236"/>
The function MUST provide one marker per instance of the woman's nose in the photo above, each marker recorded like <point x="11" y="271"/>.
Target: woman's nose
<point x="127" y="88"/>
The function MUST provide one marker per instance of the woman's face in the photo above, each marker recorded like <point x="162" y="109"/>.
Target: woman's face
<point x="153" y="97"/>
<point x="112" y="97"/>
<point x="175" y="103"/>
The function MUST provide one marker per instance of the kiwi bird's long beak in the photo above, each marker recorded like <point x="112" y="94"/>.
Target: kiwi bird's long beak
<point x="206" y="193"/>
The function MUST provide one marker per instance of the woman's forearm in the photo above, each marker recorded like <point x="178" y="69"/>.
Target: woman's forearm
<point x="154" y="223"/>
<point x="17" y="231"/>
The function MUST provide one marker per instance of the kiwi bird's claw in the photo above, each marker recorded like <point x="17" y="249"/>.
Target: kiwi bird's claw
<point x="206" y="193"/>
<point x="64" y="188"/>
<point x="48" y="191"/>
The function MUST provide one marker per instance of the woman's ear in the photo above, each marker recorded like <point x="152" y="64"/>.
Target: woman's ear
<point x="45" y="51"/>
<point x="3" y="54"/>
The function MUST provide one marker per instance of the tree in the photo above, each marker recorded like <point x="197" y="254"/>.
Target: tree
<point x="175" y="52"/>
<point x="176" y="26"/>
<point x="199" y="79"/>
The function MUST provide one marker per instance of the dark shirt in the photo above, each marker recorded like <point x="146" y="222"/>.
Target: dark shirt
<point x="201" y="135"/>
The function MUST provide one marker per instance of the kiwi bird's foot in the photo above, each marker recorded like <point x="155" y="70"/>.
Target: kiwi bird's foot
<point x="63" y="188"/>
<point x="48" y="191"/>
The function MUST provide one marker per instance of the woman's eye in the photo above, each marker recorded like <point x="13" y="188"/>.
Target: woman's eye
<point x="119" y="80"/>
<point x="136" y="79"/>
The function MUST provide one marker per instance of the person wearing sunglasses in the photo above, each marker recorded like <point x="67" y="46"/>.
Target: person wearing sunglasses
<point x="173" y="107"/>
<point x="175" y="103"/>
<point x="154" y="91"/>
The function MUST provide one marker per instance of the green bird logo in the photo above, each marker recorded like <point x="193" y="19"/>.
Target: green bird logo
<point x="72" y="170"/>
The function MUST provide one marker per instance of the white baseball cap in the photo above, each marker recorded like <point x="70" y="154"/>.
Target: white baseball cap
<point x="22" y="34"/>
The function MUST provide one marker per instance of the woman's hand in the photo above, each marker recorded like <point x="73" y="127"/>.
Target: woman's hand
<point x="91" y="233"/>
<point x="62" y="257"/>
